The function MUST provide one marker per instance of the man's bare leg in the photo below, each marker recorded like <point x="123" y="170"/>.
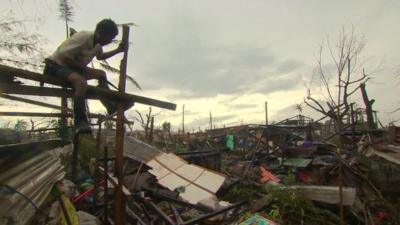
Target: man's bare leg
<point x="80" y="118"/>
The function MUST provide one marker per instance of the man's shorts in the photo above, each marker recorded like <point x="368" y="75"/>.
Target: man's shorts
<point x="53" y="69"/>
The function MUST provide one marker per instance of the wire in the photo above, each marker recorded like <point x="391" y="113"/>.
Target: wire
<point x="6" y="190"/>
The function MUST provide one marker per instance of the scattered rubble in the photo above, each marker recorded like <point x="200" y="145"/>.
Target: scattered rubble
<point x="263" y="180"/>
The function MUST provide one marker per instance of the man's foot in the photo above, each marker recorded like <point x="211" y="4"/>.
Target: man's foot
<point x="83" y="128"/>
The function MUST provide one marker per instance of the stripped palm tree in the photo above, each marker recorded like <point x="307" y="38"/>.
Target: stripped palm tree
<point x="66" y="13"/>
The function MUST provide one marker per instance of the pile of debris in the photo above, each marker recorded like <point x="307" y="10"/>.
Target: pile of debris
<point x="305" y="182"/>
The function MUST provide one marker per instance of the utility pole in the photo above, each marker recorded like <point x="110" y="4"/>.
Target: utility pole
<point x="211" y="125"/>
<point x="266" y="113"/>
<point x="183" y="119"/>
<point x="266" y="128"/>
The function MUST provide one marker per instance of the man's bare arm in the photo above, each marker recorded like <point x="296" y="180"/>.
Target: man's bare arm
<point x="106" y="55"/>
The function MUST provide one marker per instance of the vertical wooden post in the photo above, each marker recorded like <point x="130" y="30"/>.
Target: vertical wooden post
<point x="96" y="172"/>
<point x="105" y="214"/>
<point x="119" y="208"/>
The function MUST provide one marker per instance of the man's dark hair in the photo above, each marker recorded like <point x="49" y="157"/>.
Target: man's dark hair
<point x="107" y="27"/>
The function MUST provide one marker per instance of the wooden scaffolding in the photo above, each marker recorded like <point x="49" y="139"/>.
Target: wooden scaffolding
<point x="9" y="86"/>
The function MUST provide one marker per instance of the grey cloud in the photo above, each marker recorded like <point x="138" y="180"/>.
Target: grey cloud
<point x="278" y="83"/>
<point x="213" y="71"/>
<point x="209" y="71"/>
<point x="242" y="106"/>
<point x="187" y="58"/>
<point x="288" y="66"/>
<point x="200" y="121"/>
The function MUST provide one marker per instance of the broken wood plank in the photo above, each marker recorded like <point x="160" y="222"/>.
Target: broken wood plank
<point x="92" y="93"/>
<point x="114" y="182"/>
<point x="29" y="101"/>
<point x="33" y="90"/>
<point x="327" y="194"/>
<point x="33" y="114"/>
<point x="39" y="114"/>
<point x="25" y="74"/>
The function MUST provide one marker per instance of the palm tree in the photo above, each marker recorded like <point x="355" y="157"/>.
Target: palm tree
<point x="66" y="13"/>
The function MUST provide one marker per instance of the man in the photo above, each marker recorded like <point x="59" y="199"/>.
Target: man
<point x="70" y="60"/>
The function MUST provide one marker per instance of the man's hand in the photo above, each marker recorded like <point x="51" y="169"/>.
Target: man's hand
<point x="122" y="47"/>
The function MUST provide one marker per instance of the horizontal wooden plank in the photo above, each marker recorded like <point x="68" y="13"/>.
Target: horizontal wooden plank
<point x="16" y="72"/>
<point x="33" y="114"/>
<point x="29" y="101"/>
<point x="92" y="93"/>
<point x="327" y="194"/>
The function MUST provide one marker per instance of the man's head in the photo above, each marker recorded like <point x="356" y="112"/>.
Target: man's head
<point x="106" y="31"/>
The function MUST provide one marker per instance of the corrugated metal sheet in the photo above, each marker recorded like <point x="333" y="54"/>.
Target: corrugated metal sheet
<point x="138" y="150"/>
<point x="174" y="172"/>
<point x="32" y="173"/>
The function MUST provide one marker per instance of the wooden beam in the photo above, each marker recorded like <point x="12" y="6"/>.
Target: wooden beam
<point x="327" y="194"/>
<point x="32" y="102"/>
<point x="92" y="93"/>
<point x="45" y="129"/>
<point x="33" y="90"/>
<point x="25" y="74"/>
<point x="39" y="114"/>
<point x="33" y="114"/>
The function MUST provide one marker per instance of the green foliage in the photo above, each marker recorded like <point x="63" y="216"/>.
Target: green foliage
<point x="109" y="124"/>
<point x="290" y="178"/>
<point x="290" y="208"/>
<point x="21" y="125"/>
<point x="166" y="126"/>
<point x="242" y="192"/>
<point x="7" y="136"/>
<point x="87" y="149"/>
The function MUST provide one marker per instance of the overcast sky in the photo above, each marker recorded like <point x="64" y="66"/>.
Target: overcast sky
<point x="230" y="56"/>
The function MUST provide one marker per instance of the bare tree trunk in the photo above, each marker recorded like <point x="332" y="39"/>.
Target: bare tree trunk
<point x="368" y="107"/>
<point x="151" y="129"/>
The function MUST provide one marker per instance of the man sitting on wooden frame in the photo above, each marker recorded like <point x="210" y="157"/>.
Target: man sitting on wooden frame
<point x="70" y="60"/>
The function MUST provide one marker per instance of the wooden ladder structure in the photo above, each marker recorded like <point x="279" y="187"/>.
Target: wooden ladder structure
<point x="7" y="87"/>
